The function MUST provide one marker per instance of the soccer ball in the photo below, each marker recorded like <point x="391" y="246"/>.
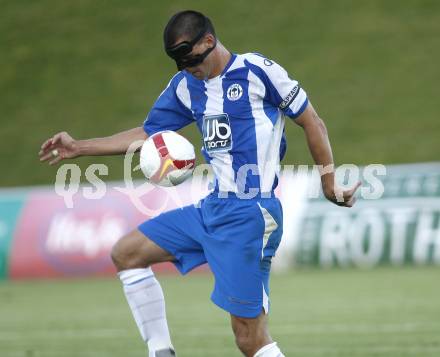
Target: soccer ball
<point x="167" y="158"/>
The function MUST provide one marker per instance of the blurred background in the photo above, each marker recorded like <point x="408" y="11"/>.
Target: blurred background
<point x="361" y="282"/>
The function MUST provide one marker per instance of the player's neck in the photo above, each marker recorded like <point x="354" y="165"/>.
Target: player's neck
<point x="221" y="59"/>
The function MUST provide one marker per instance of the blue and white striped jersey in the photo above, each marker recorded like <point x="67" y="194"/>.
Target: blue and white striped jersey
<point x="240" y="115"/>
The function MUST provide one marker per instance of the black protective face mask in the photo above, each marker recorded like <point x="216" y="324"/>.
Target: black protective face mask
<point x="180" y="51"/>
<point x="192" y="61"/>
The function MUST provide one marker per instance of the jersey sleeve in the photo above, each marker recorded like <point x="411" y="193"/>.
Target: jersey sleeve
<point x="281" y="91"/>
<point x="168" y="112"/>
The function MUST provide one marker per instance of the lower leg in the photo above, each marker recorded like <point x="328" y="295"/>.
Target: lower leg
<point x="252" y="337"/>
<point x="131" y="256"/>
<point x="146" y="300"/>
<point x="269" y="350"/>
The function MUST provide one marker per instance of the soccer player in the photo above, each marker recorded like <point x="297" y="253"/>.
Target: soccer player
<point x="239" y="103"/>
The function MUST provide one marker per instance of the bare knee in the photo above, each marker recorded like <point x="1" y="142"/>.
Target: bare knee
<point x="125" y="257"/>
<point x="250" y="334"/>
<point x="136" y="251"/>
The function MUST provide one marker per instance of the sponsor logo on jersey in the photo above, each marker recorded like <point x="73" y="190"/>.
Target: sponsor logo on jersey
<point x="217" y="134"/>
<point x="290" y="97"/>
<point x="234" y="92"/>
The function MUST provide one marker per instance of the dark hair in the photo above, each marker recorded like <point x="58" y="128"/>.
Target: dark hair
<point x="186" y="24"/>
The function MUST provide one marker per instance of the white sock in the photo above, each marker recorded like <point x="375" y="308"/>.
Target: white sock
<point x="145" y="297"/>
<point x="270" y="350"/>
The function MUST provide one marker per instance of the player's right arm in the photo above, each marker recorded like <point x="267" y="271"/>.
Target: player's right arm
<point x="68" y="148"/>
<point x="168" y="113"/>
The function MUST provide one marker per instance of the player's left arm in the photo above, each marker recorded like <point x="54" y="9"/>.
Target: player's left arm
<point x="319" y="146"/>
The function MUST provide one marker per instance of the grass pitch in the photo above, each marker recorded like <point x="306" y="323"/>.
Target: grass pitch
<point x="383" y="312"/>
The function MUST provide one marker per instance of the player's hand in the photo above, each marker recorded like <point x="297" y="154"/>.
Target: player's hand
<point x="340" y="197"/>
<point x="59" y="147"/>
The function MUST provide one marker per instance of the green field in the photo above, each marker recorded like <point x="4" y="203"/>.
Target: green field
<point x="371" y="68"/>
<point x="387" y="312"/>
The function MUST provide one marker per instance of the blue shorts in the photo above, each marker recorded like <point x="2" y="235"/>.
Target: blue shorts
<point x="236" y="237"/>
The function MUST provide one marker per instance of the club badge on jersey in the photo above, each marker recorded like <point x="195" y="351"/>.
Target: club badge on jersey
<point x="217" y="135"/>
<point x="234" y="92"/>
